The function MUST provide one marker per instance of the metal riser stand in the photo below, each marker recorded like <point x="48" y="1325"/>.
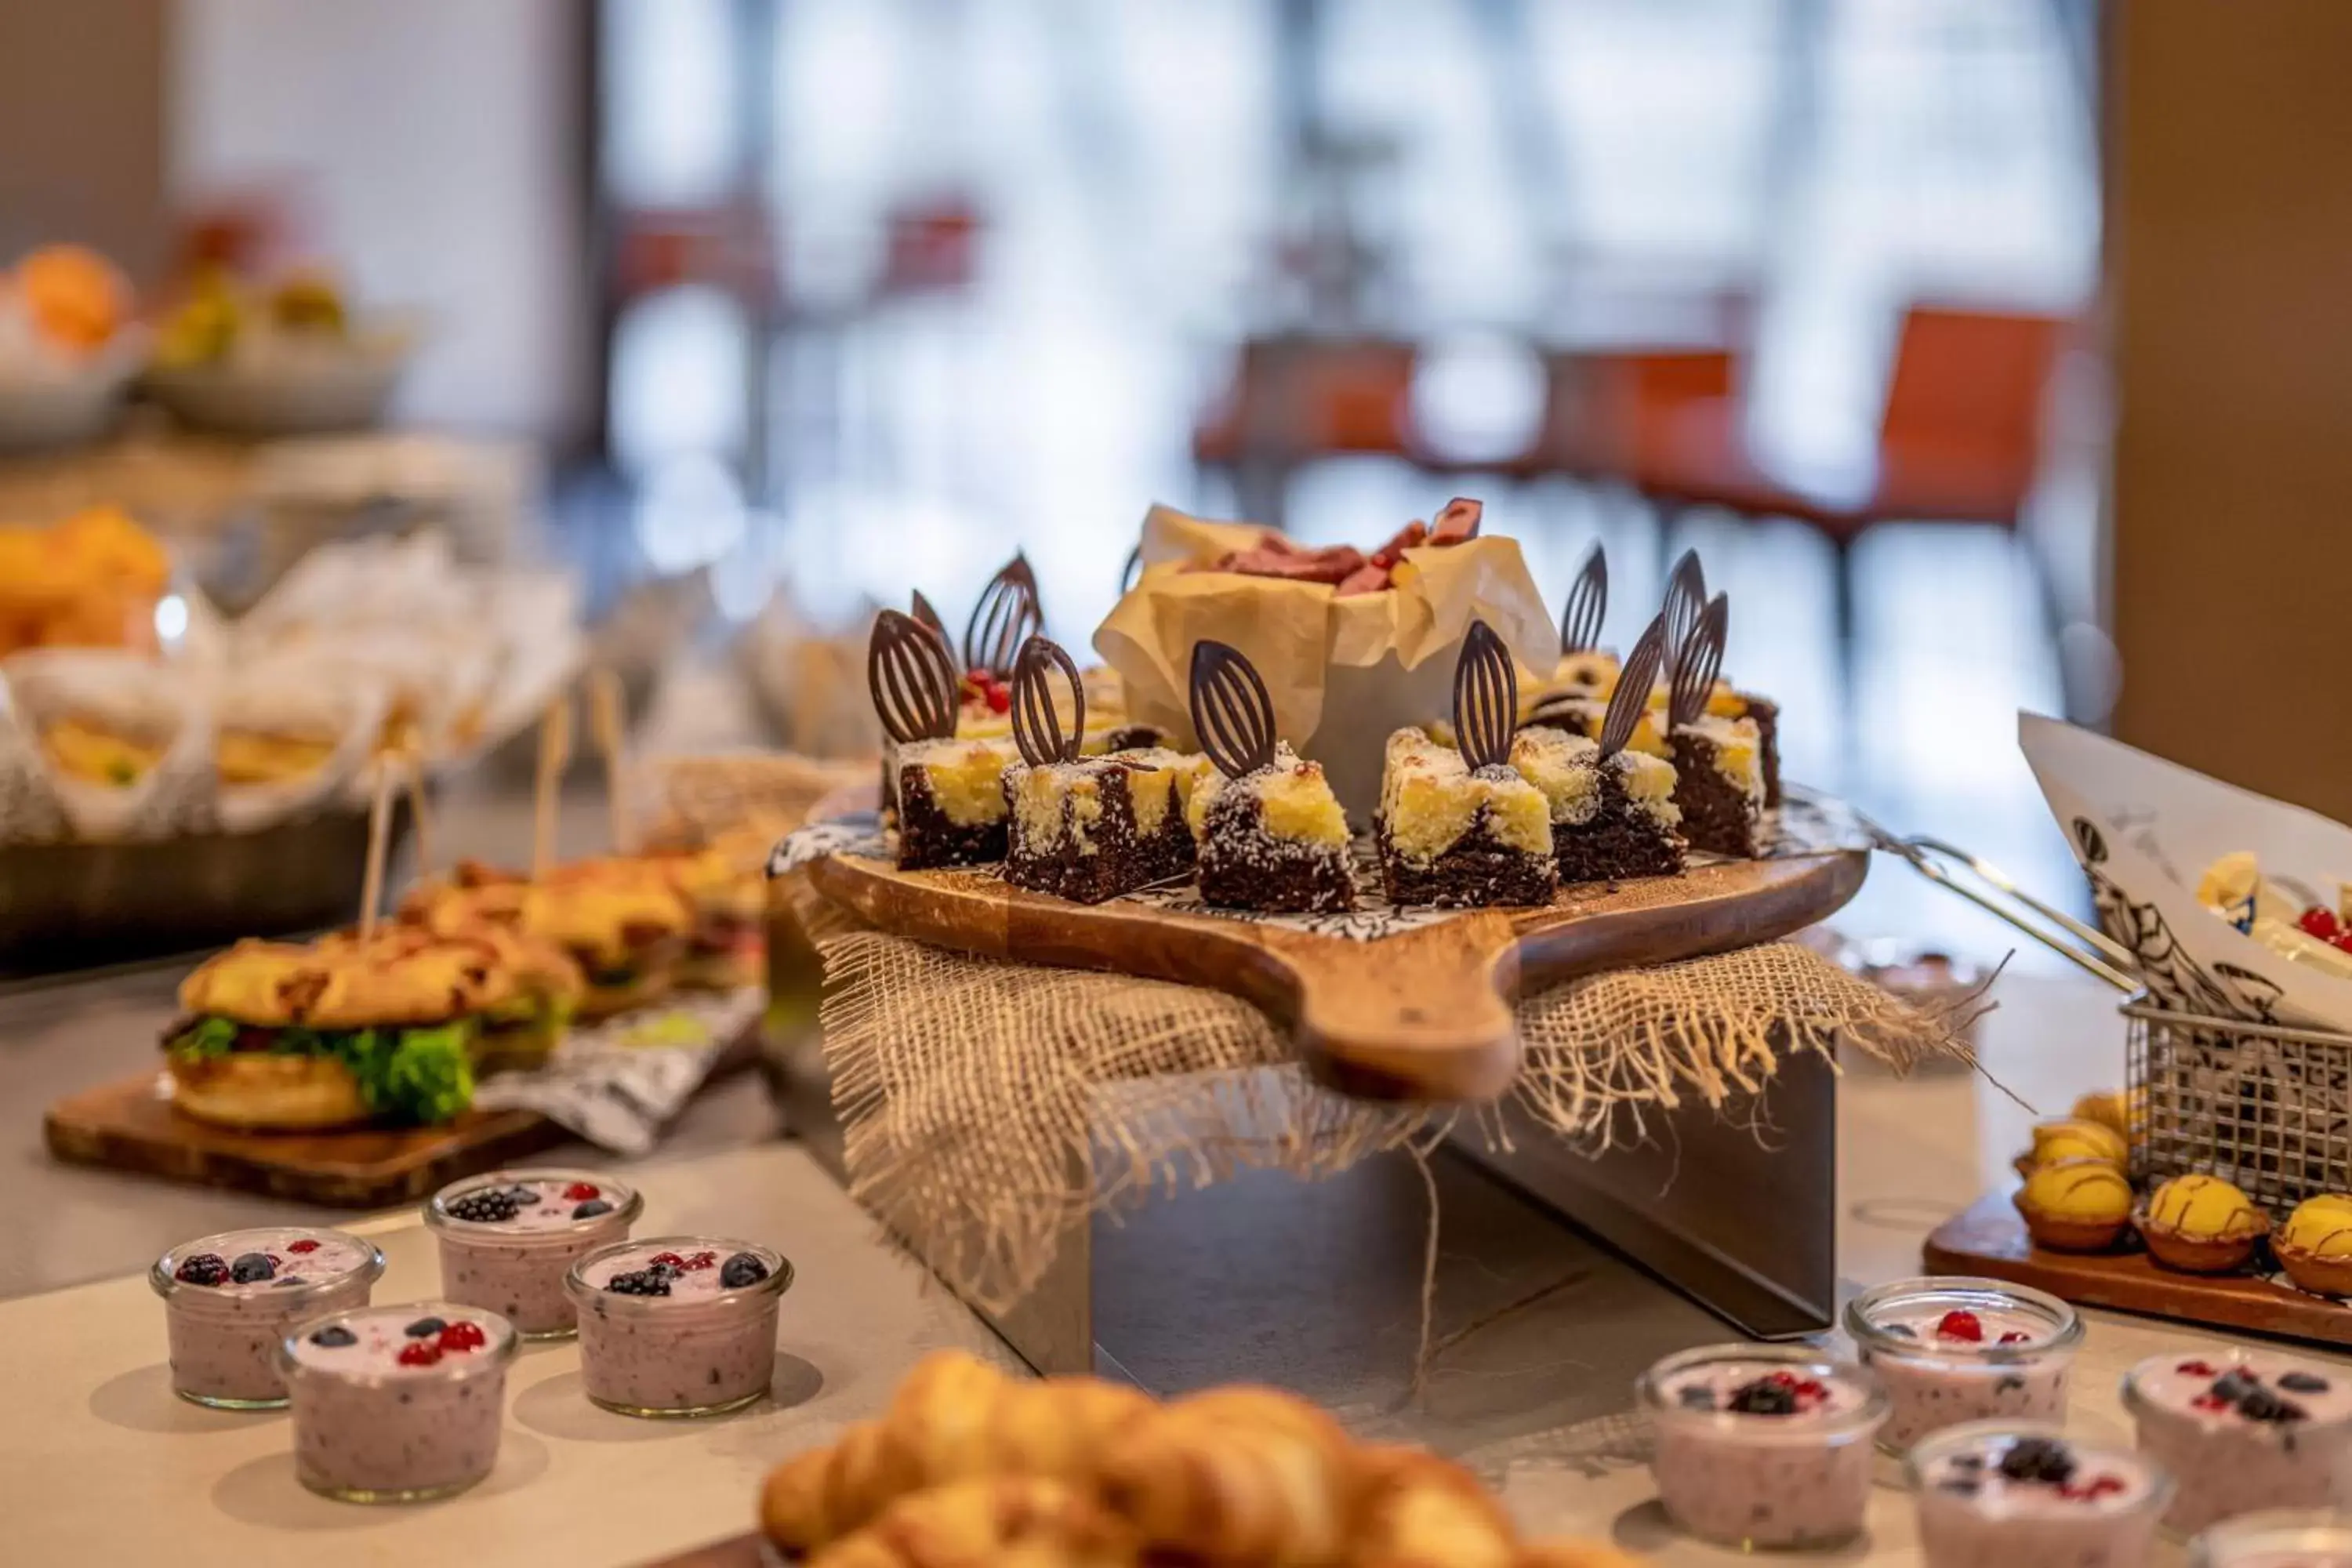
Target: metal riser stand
<point x="1739" y="1219"/>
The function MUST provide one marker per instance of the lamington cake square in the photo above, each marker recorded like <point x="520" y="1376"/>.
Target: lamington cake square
<point x="1450" y="834"/>
<point x="1719" y="784"/>
<point x="1273" y="839"/>
<point x="1093" y="829"/>
<point x="950" y="802"/>
<point x="1611" y="817"/>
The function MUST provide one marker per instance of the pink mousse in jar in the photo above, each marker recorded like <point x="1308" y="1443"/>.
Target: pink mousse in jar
<point x="677" y="1325"/>
<point x="1763" y="1445"/>
<point x="509" y="1237"/>
<point x="2276" y="1538"/>
<point x="397" y="1403"/>
<point x="1954" y="1349"/>
<point x="229" y="1298"/>
<point x="2001" y="1494"/>
<point x="2242" y="1430"/>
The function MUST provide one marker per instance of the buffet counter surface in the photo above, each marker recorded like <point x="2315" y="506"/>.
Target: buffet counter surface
<point x="125" y="1473"/>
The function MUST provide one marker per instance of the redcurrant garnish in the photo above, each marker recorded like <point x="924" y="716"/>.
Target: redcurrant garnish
<point x="579" y="1192"/>
<point x="462" y="1335"/>
<point x="419" y="1353"/>
<point x="1960" y="1325"/>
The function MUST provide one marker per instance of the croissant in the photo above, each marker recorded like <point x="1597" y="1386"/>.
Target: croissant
<point x="1236" y="1476"/>
<point x="1418" y="1511"/>
<point x="1577" y="1554"/>
<point x="987" y="1522"/>
<point x="954" y="1418"/>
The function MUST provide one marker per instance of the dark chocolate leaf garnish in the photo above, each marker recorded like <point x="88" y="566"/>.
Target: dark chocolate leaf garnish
<point x="1007" y="616"/>
<point x="931" y="617"/>
<point x="1231" y="711"/>
<point x="1698" y="663"/>
<point x="1685" y="598"/>
<point x="1588" y="605"/>
<point x="1485" y="699"/>
<point x="1133" y="570"/>
<point x="1632" y="698"/>
<point x="913" y="683"/>
<point x="1459" y="520"/>
<point x="1036" y="721"/>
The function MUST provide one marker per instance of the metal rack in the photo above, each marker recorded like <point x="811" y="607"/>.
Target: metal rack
<point x="2264" y="1105"/>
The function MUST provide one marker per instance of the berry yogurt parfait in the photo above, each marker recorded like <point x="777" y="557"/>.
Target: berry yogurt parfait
<point x="1954" y="1349"/>
<point x="397" y="1403"/>
<point x="679" y="1325"/>
<point x="229" y="1298"/>
<point x="509" y="1237"/>
<point x="2280" y="1538"/>
<point x="2242" y="1430"/>
<point x="2004" y="1494"/>
<point x="1763" y="1445"/>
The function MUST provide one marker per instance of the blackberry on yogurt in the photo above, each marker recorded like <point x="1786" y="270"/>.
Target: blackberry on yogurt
<point x="1763" y="1445"/>
<point x="1999" y="1494"/>
<point x="1954" y="1349"/>
<point x="665" y="1329"/>
<point x="228" y="1299"/>
<point x="2237" y="1437"/>
<point x="507" y="1239"/>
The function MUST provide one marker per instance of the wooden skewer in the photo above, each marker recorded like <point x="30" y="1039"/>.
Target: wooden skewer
<point x="379" y="839"/>
<point x="605" y="721"/>
<point x="421" y="813"/>
<point x="554" y="752"/>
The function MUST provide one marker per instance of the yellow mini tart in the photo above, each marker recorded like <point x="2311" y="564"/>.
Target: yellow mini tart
<point x="2109" y="1108"/>
<point x="2202" y="1225"/>
<point x="2315" y="1244"/>
<point x="2076" y="1205"/>
<point x="2055" y="1142"/>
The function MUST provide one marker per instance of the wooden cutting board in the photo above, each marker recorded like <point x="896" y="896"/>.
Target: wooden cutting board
<point x="130" y="1125"/>
<point x="1989" y="1238"/>
<point x="1424" y="1013"/>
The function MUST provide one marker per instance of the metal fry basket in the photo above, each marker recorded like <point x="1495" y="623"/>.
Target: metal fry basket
<point x="2266" y="1107"/>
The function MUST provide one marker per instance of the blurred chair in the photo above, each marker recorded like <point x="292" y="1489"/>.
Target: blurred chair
<point x="1960" y="438"/>
<point x="1294" y="399"/>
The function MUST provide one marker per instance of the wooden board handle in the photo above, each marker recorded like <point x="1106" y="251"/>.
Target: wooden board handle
<point x="1433" y="1024"/>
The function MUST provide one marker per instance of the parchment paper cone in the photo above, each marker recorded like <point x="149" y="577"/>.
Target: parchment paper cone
<point x="1343" y="673"/>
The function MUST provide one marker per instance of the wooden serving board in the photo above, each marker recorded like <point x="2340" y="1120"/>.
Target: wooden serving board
<point x="1989" y="1238"/>
<point x="1422" y="1013"/>
<point x="130" y="1125"/>
<point x="740" y="1551"/>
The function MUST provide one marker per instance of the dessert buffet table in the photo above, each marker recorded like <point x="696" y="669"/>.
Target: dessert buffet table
<point x="1537" y="1399"/>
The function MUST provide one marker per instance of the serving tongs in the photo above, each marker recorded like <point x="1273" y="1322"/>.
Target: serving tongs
<point x="2086" y="946"/>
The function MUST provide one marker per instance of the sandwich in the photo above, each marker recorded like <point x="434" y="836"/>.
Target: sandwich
<point x="621" y="919"/>
<point x="728" y="894"/>
<point x="290" y="1037"/>
<point x="521" y="1032"/>
<point x="79" y="749"/>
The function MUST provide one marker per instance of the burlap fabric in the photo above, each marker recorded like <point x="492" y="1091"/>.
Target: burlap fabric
<point x="989" y="1106"/>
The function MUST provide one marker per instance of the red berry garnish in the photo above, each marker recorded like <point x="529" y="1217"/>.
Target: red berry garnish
<point x="419" y="1353"/>
<point x="1959" y="1325"/>
<point x="2320" y="921"/>
<point x="304" y="1244"/>
<point x="2210" y="1402"/>
<point x="2197" y="1369"/>
<point x="462" y="1335"/>
<point x="669" y="1258"/>
<point x="2107" y="1486"/>
<point x="701" y="1261"/>
<point x="2341" y="939"/>
<point x="1812" y="1388"/>
<point x="580" y="1191"/>
<point x="1787" y="1380"/>
<point x="2015" y="1337"/>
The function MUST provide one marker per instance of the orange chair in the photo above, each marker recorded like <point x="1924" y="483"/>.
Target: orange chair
<point x="1294" y="399"/>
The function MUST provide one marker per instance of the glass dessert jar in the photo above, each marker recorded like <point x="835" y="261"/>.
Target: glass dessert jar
<point x="2002" y="1494"/>
<point x="507" y="1239"/>
<point x="2242" y="1430"/>
<point x="397" y="1403"/>
<point x="1763" y="1445"/>
<point x="1953" y="1350"/>
<point x="2276" y="1538"/>
<point x="677" y="1325"/>
<point x="228" y="1298"/>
